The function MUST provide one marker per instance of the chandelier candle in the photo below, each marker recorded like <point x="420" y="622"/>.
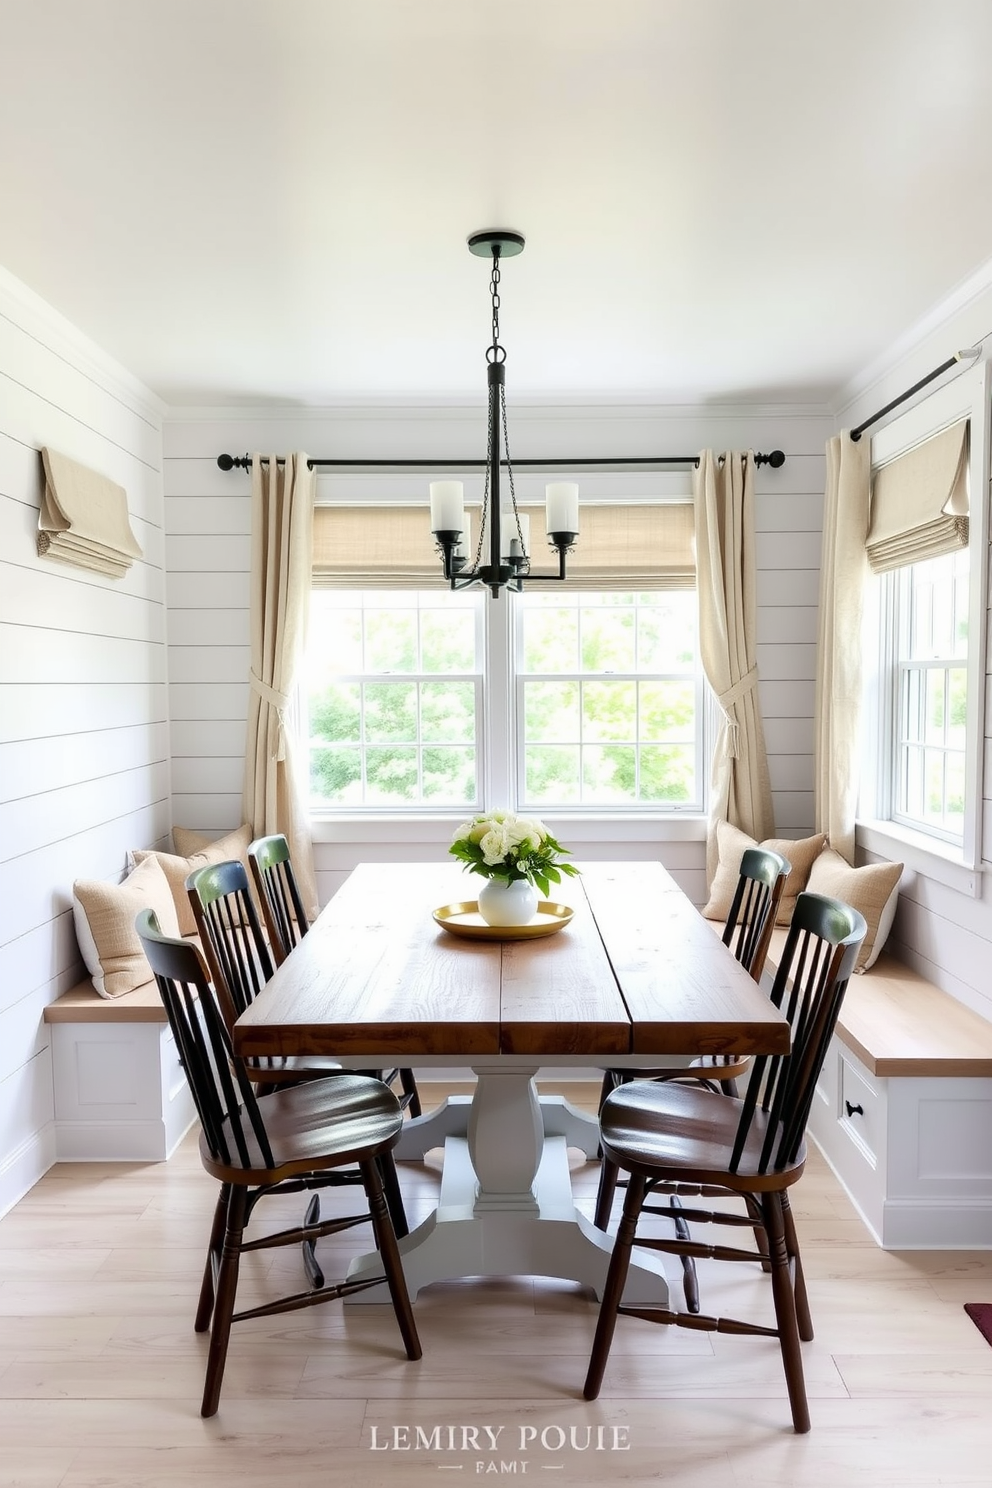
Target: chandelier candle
<point x="447" y="506"/>
<point x="510" y="541"/>
<point x="562" y="507"/>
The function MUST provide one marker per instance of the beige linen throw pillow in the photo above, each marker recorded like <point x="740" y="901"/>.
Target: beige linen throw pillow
<point x="732" y="844"/>
<point x="873" y="890"/>
<point x="104" y="915"/>
<point x="196" y="851"/>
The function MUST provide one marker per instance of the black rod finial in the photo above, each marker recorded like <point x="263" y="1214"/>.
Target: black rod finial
<point x="234" y="462"/>
<point x="776" y="459"/>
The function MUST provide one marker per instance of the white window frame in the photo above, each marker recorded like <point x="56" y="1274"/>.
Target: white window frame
<point x="518" y="680"/>
<point x="381" y="829"/>
<point x="958" y="866"/>
<point x="477" y="680"/>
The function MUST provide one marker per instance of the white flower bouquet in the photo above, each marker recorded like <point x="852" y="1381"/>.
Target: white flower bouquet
<point x="507" y="847"/>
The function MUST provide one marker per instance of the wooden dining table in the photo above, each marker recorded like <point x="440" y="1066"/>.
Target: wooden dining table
<point x="635" y="977"/>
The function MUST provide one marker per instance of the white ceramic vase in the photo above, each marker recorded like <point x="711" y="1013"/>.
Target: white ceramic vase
<point x="502" y="903"/>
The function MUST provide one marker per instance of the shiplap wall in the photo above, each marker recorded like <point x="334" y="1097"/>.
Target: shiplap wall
<point x="208" y="555"/>
<point x="945" y="934"/>
<point x="84" y="758"/>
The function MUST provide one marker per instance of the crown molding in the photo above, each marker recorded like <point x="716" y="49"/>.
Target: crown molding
<point x="44" y="324"/>
<point x="474" y="410"/>
<point x="902" y="351"/>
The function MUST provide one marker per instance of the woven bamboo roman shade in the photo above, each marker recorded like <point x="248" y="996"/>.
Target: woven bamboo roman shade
<point x="919" y="502"/>
<point x="83" y="518"/>
<point x="620" y="547"/>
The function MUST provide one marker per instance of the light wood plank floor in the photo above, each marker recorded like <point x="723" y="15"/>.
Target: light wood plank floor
<point x="101" y="1373"/>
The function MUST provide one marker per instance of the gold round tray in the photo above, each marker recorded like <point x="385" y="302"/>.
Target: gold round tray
<point x="464" y="918"/>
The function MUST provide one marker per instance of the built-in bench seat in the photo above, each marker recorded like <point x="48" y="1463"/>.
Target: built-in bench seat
<point x="903" y="1112"/>
<point x="120" y="1091"/>
<point x="83" y="1004"/>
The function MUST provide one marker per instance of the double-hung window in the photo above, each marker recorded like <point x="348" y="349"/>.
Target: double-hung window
<point x="930" y="694"/>
<point x="924" y="632"/>
<point x="585" y="696"/>
<point x="609" y="700"/>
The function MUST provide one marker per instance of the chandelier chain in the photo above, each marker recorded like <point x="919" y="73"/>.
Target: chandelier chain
<point x="493" y="354"/>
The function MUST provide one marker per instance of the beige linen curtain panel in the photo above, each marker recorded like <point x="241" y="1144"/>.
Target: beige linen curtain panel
<point x="281" y="556"/>
<point x="723" y="496"/>
<point x="843" y="573"/>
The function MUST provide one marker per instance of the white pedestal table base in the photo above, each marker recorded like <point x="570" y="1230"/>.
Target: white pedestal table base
<point x="506" y="1205"/>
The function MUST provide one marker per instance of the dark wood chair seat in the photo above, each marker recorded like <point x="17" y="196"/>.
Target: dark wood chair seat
<point x="677" y="1136"/>
<point x="307" y="1127"/>
<point x="307" y="1137"/>
<point x="676" y="1139"/>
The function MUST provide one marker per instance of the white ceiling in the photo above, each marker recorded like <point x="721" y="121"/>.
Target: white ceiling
<point x="268" y="200"/>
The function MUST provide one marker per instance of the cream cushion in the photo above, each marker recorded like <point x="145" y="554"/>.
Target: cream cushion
<point x="195" y="851"/>
<point x="732" y="844"/>
<point x="873" y="890"/>
<point x="104" y="915"/>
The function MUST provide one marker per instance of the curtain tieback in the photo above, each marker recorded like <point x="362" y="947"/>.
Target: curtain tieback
<point x="731" y="747"/>
<point x="280" y="702"/>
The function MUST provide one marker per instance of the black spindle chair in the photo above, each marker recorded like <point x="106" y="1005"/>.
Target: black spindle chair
<point x="747" y="932"/>
<point x="286" y="923"/>
<point x="673" y="1138"/>
<point x="286" y="1142"/>
<point x="241" y="964"/>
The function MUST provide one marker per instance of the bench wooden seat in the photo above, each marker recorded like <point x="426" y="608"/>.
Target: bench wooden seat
<point x="83" y="1004"/>
<point x="898" y="1023"/>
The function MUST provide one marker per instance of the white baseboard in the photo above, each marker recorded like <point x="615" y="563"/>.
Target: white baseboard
<point x="22" y="1168"/>
<point x="116" y="1141"/>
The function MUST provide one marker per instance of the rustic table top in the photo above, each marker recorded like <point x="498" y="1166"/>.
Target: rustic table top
<point x="636" y="971"/>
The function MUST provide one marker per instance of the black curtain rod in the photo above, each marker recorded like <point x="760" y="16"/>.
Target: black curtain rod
<point x="959" y="356"/>
<point x="648" y="462"/>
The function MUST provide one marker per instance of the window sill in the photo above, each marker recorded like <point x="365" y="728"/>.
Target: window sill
<point x="925" y="855"/>
<point x="569" y="829"/>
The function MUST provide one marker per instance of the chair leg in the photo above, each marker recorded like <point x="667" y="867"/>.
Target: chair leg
<point x="408" y="1085"/>
<point x="392" y="1265"/>
<point x="690" y="1282"/>
<point x="311" y="1265"/>
<point x="798" y="1278"/>
<point x="616" y="1278"/>
<point x="785" y="1310"/>
<point x="227" y="1286"/>
<point x="393" y="1196"/>
<point x="760" y="1238"/>
<point x="608" y="1175"/>
<point x="205" y="1305"/>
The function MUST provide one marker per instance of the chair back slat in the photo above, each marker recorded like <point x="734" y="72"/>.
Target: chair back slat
<point x="754" y="906"/>
<point x="231" y="934"/>
<point x="819" y="956"/>
<point x="278" y="893"/>
<point x="222" y="1093"/>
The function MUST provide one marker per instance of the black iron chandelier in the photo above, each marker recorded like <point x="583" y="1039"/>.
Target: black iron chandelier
<point x="509" y="550"/>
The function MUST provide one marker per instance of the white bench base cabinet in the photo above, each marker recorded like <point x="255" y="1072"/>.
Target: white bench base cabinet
<point x="903" y="1110"/>
<point x="120" y="1091"/>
